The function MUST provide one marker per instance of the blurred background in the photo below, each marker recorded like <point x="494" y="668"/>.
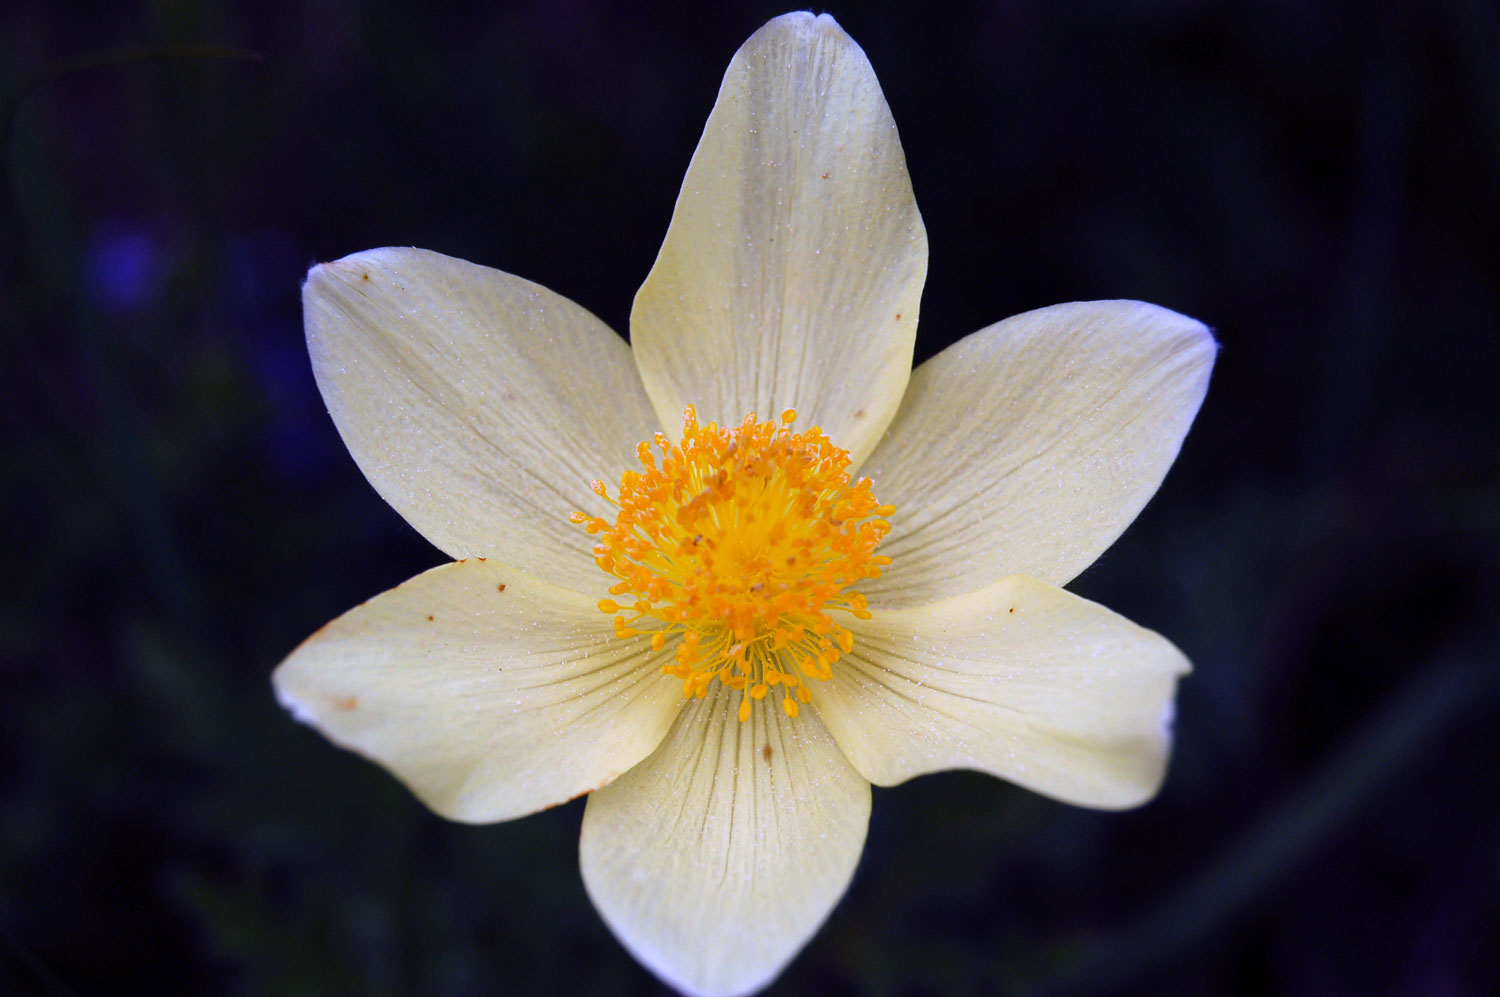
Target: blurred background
<point x="1318" y="181"/>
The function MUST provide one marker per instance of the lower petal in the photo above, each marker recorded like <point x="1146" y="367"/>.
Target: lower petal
<point x="718" y="857"/>
<point x="488" y="693"/>
<point x="1019" y="679"/>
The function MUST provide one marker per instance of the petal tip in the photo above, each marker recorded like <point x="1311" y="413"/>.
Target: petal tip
<point x="366" y="265"/>
<point x="334" y="276"/>
<point x="299" y="710"/>
<point x="803" y="24"/>
<point x="1198" y="337"/>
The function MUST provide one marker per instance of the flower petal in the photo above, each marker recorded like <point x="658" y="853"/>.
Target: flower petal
<point x="793" y="267"/>
<point x="478" y="404"/>
<point x="489" y="693"/>
<point x="1029" y="446"/>
<point x="715" y="859"/>
<point x="1021" y="680"/>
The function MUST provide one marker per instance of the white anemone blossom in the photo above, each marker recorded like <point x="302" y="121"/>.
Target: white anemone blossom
<point x="728" y="642"/>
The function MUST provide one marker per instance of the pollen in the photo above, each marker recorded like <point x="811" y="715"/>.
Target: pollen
<point x="742" y="547"/>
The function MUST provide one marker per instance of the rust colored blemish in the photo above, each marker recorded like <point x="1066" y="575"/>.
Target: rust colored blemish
<point x="766" y="753"/>
<point x="860" y="414"/>
<point x="825" y="176"/>
<point x="500" y="587"/>
<point x="429" y="617"/>
<point x="484" y="559"/>
<point x="364" y="276"/>
<point x="1012" y="609"/>
<point x="898" y="316"/>
<point x="345" y="703"/>
<point x="562" y="803"/>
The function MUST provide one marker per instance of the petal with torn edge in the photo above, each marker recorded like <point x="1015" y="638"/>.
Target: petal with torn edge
<point x="719" y="856"/>
<point x="1021" y="680"/>
<point x="1029" y="446"/>
<point x="478" y="404"/>
<point x="793" y="267"/>
<point x="490" y="694"/>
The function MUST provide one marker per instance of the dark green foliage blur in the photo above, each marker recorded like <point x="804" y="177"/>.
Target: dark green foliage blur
<point x="1317" y="181"/>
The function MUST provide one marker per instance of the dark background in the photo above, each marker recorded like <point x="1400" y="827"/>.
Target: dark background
<point x="1317" y="181"/>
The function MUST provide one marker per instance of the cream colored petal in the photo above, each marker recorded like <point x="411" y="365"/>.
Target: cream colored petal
<point x="489" y="693"/>
<point x="718" y="857"/>
<point x="1021" y="680"/>
<point x="478" y="404"/>
<point x="1029" y="446"/>
<point x="793" y="267"/>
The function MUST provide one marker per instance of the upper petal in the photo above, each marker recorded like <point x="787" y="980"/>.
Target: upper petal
<point x="489" y="693"/>
<point x="1021" y="680"/>
<point x="478" y="404"/>
<point x="1029" y="446"/>
<point x="793" y="267"/>
<point x="718" y="857"/>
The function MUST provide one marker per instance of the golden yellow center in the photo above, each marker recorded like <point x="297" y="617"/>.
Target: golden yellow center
<point x="741" y="542"/>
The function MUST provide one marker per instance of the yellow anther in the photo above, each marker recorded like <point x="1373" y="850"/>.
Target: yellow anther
<point x="741" y="540"/>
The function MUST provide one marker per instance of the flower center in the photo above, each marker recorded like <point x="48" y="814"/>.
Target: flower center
<point x="742" y="541"/>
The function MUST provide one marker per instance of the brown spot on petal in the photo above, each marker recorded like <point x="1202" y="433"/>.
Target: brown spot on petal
<point x="898" y="316"/>
<point x="500" y="587"/>
<point x="364" y="276"/>
<point x="766" y="753"/>
<point x="563" y="803"/>
<point x="429" y="617"/>
<point x="345" y="703"/>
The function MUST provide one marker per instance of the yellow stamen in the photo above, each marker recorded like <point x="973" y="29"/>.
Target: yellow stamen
<point x="742" y="540"/>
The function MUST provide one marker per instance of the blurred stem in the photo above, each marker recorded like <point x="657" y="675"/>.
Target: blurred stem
<point x="39" y="973"/>
<point x="1474" y="29"/>
<point x="1452" y="689"/>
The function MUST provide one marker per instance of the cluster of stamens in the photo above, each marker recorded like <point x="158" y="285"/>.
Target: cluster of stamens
<point x="741" y="541"/>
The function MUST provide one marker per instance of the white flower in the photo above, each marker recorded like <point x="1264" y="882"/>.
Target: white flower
<point x="482" y="407"/>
